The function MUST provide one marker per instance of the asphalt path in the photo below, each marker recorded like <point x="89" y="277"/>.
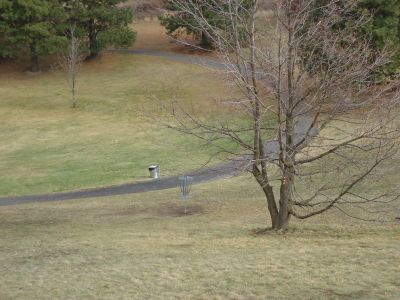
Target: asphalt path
<point x="218" y="171"/>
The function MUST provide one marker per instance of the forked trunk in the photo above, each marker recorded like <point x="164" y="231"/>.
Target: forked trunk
<point x="285" y="203"/>
<point x="269" y="195"/>
<point x="281" y="222"/>
<point x="280" y="217"/>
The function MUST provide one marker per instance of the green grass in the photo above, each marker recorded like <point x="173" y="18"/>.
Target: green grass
<point x="47" y="146"/>
<point x="142" y="247"/>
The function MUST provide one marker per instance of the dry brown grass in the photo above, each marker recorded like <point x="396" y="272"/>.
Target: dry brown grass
<point x="142" y="247"/>
<point x="153" y="36"/>
<point x="145" y="8"/>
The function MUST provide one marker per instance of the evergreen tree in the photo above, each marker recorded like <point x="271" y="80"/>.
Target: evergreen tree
<point x="33" y="25"/>
<point x="384" y="27"/>
<point x="209" y="12"/>
<point x="101" y="22"/>
<point x="178" y="19"/>
<point x="381" y="28"/>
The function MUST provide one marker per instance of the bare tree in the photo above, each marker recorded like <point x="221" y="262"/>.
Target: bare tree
<point x="335" y="127"/>
<point x="70" y="62"/>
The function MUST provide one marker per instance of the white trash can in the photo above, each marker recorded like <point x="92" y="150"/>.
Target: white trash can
<point x="154" y="171"/>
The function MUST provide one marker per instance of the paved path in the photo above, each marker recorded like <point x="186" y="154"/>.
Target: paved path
<point x="226" y="169"/>
<point x="199" y="176"/>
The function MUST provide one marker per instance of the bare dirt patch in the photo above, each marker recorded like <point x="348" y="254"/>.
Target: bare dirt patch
<point x="174" y="210"/>
<point x="166" y="210"/>
<point x="130" y="211"/>
<point x="50" y="253"/>
<point x="152" y="36"/>
<point x="42" y="222"/>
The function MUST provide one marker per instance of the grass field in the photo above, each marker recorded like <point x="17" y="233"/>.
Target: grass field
<point x="144" y="247"/>
<point x="47" y="146"/>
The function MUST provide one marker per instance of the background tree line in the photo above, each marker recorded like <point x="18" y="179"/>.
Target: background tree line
<point x="382" y="28"/>
<point x="41" y="27"/>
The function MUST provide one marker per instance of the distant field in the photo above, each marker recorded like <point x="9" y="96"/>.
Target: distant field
<point x="47" y="146"/>
<point x="144" y="8"/>
<point x="143" y="247"/>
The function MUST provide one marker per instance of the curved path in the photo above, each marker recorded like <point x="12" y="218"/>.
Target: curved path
<point x="226" y="169"/>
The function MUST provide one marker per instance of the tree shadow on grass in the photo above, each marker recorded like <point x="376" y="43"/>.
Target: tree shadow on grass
<point x="262" y="231"/>
<point x="165" y="210"/>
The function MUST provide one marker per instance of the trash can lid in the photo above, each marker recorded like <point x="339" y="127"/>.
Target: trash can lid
<point x="153" y="166"/>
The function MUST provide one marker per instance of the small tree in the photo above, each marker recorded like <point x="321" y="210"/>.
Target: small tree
<point x="335" y="129"/>
<point x="70" y="62"/>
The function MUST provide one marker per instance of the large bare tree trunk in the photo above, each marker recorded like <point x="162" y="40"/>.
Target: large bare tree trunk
<point x="308" y="76"/>
<point x="272" y="208"/>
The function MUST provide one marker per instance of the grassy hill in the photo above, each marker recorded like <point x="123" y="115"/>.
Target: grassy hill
<point x="112" y="136"/>
<point x="144" y="8"/>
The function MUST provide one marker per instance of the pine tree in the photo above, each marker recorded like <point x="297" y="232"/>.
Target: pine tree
<point x="384" y="27"/>
<point x="381" y="27"/>
<point x="178" y="20"/>
<point x="33" y="25"/>
<point x="102" y="23"/>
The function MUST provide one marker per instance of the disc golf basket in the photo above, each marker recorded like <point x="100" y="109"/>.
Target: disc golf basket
<point x="185" y="183"/>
